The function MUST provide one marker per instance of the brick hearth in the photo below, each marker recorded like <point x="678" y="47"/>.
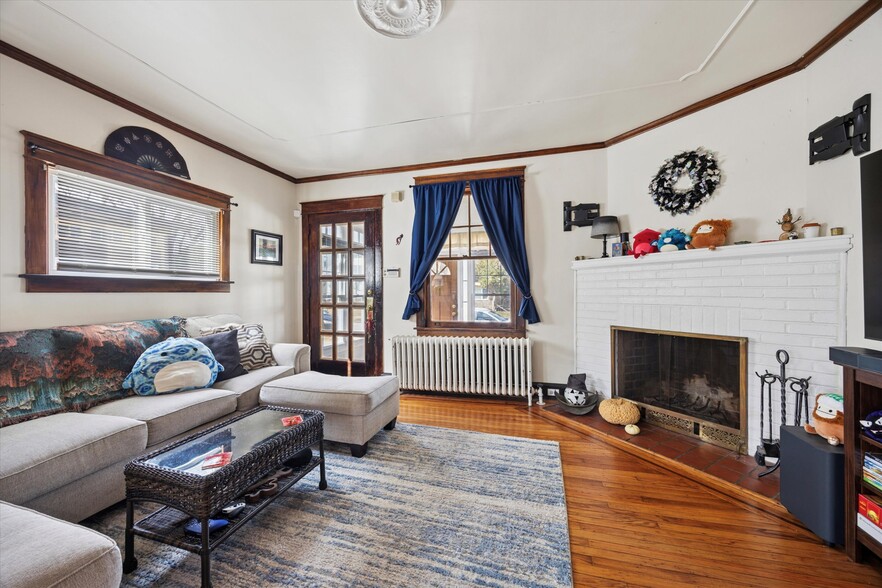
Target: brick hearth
<point x="670" y="449"/>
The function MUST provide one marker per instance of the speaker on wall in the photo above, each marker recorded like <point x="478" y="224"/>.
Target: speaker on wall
<point x="871" y="225"/>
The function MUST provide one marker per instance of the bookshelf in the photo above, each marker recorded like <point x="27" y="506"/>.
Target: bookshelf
<point x="862" y="391"/>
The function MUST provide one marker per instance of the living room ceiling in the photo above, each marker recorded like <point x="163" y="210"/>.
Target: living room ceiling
<point x="309" y="89"/>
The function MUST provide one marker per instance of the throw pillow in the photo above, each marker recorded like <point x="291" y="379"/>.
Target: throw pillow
<point x="253" y="346"/>
<point x="174" y="365"/>
<point x="225" y="347"/>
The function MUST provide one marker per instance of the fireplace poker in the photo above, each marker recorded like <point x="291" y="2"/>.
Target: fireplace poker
<point x="799" y="386"/>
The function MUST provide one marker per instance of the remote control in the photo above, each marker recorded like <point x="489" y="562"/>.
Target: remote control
<point x="194" y="527"/>
<point x="232" y="510"/>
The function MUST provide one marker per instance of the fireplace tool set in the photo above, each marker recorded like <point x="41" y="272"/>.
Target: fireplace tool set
<point x="770" y="448"/>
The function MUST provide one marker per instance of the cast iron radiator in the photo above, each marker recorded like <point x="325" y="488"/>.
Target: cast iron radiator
<point x="464" y="365"/>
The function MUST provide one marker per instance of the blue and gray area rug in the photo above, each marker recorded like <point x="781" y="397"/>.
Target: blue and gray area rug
<point x="425" y="507"/>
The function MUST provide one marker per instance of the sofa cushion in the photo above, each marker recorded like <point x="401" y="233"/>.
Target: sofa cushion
<point x="44" y="371"/>
<point x="225" y="347"/>
<point x="247" y="387"/>
<point x="40" y="551"/>
<point x="335" y="394"/>
<point x="194" y="325"/>
<point x="172" y="414"/>
<point x="41" y="455"/>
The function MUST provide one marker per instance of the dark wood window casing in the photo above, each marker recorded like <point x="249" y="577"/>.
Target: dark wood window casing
<point x="40" y="155"/>
<point x="517" y="327"/>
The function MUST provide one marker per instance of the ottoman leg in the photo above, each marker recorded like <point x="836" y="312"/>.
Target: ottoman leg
<point x="391" y="424"/>
<point x="358" y="450"/>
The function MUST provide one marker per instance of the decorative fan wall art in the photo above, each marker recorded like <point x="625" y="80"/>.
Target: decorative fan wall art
<point x="146" y="148"/>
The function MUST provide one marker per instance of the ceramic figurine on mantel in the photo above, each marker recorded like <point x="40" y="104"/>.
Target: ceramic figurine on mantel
<point x="788" y="226"/>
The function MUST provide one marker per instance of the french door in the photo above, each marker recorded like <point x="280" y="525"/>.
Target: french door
<point x="342" y="285"/>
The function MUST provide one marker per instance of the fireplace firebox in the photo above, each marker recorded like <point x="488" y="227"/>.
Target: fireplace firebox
<point x="688" y="382"/>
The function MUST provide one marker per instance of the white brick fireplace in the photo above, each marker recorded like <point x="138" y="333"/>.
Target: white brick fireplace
<point x="782" y="295"/>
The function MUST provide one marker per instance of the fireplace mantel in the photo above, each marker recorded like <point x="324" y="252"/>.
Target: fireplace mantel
<point x="837" y="244"/>
<point x="780" y="295"/>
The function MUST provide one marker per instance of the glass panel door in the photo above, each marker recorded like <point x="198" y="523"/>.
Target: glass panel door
<point x="343" y="271"/>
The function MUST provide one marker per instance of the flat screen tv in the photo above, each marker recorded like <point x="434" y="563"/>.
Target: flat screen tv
<point x="871" y="214"/>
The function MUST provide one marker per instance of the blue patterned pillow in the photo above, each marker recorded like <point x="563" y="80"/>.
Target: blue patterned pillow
<point x="174" y="365"/>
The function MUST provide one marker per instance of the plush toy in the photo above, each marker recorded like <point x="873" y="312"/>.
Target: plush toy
<point x="642" y="244"/>
<point x="173" y="365"/>
<point x="619" y="411"/>
<point x="672" y="240"/>
<point x="872" y="425"/>
<point x="829" y="416"/>
<point x="709" y="233"/>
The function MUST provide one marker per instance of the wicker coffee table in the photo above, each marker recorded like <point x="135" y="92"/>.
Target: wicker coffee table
<point x="173" y="476"/>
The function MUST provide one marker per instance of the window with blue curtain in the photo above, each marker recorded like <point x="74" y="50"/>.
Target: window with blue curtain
<point x="467" y="288"/>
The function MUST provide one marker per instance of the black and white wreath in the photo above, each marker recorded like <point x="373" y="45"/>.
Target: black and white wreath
<point x="701" y="167"/>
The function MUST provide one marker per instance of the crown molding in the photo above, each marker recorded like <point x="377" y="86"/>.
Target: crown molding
<point x="818" y="49"/>
<point x="832" y="38"/>
<point x="78" y="82"/>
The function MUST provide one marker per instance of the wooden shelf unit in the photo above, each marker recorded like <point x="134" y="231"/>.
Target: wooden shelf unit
<point x="862" y="391"/>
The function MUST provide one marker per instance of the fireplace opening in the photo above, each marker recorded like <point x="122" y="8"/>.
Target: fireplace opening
<point x="693" y="383"/>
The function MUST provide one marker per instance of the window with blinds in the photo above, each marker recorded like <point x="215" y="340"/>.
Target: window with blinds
<point x="108" y="228"/>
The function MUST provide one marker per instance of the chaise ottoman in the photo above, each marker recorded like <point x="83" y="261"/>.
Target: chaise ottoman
<point x="40" y="551"/>
<point x="355" y="408"/>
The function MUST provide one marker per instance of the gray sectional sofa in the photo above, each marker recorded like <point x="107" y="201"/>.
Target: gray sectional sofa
<point x="70" y="464"/>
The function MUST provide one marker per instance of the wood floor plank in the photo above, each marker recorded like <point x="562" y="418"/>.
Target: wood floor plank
<point x="633" y="523"/>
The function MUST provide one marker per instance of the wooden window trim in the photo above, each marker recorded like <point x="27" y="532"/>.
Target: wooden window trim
<point x="41" y="154"/>
<point x="426" y="327"/>
<point x="501" y="172"/>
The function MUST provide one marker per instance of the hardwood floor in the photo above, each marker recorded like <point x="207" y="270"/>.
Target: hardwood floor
<point x="633" y="523"/>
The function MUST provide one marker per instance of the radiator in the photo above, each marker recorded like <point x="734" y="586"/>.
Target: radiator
<point x="464" y="365"/>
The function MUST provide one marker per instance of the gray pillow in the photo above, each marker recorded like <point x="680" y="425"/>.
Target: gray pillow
<point x="225" y="347"/>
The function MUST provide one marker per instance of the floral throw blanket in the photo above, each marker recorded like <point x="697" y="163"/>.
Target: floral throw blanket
<point x="44" y="371"/>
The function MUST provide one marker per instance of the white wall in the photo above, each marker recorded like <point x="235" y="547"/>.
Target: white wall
<point x="761" y="139"/>
<point x="33" y="101"/>
<point x="845" y="73"/>
<point x="549" y="181"/>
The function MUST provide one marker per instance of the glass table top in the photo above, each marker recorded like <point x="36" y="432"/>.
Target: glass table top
<point x="207" y="453"/>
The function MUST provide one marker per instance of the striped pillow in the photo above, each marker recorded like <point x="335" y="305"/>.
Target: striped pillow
<point x="253" y="346"/>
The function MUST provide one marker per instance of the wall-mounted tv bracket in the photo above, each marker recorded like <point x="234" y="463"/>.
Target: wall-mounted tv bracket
<point x="580" y="215"/>
<point x="850" y="131"/>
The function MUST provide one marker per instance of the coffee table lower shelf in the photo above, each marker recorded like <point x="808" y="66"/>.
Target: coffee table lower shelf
<point x="166" y="525"/>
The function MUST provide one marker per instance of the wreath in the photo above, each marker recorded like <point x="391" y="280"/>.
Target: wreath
<point x="701" y="166"/>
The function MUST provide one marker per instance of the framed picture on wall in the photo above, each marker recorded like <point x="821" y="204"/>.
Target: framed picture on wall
<point x="266" y="248"/>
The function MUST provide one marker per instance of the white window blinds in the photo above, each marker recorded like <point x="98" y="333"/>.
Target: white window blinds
<point x="111" y="228"/>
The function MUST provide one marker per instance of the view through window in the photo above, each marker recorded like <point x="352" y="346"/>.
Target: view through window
<point x="467" y="283"/>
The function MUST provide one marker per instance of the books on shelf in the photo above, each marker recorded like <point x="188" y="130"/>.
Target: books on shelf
<point x="872" y="470"/>
<point x="865" y="525"/>
<point x="869" y="516"/>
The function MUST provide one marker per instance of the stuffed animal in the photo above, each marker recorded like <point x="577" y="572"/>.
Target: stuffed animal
<point x="642" y="243"/>
<point x="173" y="365"/>
<point x="829" y="416"/>
<point x="672" y="240"/>
<point x="710" y="234"/>
<point x="872" y="425"/>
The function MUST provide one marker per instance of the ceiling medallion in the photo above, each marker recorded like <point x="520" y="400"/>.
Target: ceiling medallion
<point x="400" y="19"/>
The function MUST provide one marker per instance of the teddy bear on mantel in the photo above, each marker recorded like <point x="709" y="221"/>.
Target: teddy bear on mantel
<point x="709" y="234"/>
